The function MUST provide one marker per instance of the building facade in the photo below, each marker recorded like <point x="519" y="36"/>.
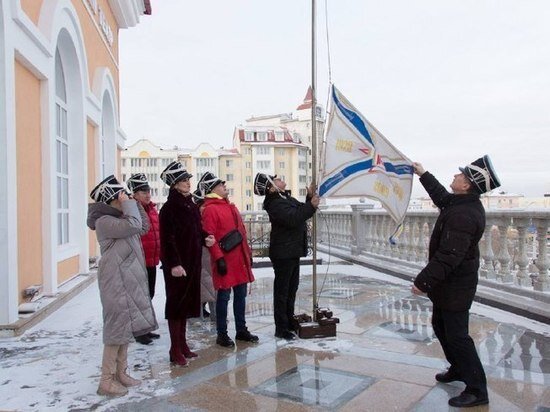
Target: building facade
<point x="146" y="157"/>
<point x="276" y="144"/>
<point x="59" y="135"/>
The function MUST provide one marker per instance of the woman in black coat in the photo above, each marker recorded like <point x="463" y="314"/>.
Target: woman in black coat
<point x="181" y="240"/>
<point x="287" y="243"/>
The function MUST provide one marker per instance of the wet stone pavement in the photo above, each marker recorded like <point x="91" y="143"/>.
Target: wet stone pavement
<point x="384" y="357"/>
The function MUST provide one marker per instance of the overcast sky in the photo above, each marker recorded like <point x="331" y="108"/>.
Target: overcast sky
<point x="444" y="81"/>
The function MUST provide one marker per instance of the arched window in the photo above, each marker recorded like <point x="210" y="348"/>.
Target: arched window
<point x="61" y="153"/>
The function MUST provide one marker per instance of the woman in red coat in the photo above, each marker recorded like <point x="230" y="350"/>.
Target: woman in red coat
<point x="150" y="241"/>
<point x="181" y="240"/>
<point x="231" y="269"/>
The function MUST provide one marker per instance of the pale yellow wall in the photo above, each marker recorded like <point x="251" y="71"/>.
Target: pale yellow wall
<point x="67" y="268"/>
<point x="92" y="179"/>
<point x="97" y="52"/>
<point x="32" y="9"/>
<point x="29" y="195"/>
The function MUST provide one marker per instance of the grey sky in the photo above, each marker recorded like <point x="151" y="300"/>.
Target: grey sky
<point x="445" y="81"/>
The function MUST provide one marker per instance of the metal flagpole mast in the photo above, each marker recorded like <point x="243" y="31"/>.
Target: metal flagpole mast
<point x="314" y="155"/>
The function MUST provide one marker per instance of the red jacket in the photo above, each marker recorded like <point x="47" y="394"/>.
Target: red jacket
<point x="151" y="240"/>
<point x="219" y="218"/>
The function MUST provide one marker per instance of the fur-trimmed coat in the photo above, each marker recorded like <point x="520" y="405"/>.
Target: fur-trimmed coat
<point x="181" y="240"/>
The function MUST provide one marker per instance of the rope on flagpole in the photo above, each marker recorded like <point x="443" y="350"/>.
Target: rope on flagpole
<point x="328" y="45"/>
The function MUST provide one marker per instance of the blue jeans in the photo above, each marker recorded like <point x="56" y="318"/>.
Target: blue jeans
<point x="239" y="306"/>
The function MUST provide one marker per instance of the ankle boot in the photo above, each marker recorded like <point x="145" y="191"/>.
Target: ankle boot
<point x="176" y="356"/>
<point x="108" y="385"/>
<point x="184" y="347"/>
<point x="122" y="366"/>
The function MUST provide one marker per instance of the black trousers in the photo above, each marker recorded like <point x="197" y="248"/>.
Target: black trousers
<point x="451" y="328"/>
<point x="285" y="286"/>
<point x="152" y="278"/>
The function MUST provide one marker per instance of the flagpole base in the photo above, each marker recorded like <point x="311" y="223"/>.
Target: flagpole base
<point x="323" y="327"/>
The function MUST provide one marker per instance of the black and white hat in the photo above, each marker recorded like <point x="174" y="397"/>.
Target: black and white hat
<point x="173" y="173"/>
<point x="107" y="190"/>
<point x="138" y="181"/>
<point x="262" y="183"/>
<point x="482" y="175"/>
<point x="208" y="182"/>
<point x="198" y="198"/>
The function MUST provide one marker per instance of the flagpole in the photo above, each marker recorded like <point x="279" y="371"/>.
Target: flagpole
<point x="314" y="154"/>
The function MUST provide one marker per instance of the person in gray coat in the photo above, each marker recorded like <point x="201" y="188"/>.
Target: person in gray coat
<point x="122" y="278"/>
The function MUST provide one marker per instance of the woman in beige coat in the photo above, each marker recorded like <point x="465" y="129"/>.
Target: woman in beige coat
<point x="122" y="278"/>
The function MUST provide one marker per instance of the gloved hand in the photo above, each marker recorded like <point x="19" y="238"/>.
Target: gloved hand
<point x="221" y="266"/>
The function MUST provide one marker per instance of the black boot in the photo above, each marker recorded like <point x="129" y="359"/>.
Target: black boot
<point x="246" y="336"/>
<point x="467" y="399"/>
<point x="144" y="340"/>
<point x="224" y="340"/>
<point x="153" y="335"/>
<point x="285" y="334"/>
<point x="448" y="376"/>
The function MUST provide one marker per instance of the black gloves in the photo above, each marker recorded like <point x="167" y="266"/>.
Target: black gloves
<point x="221" y="266"/>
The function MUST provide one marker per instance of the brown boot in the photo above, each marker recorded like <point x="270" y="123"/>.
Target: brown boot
<point x="122" y="365"/>
<point x="108" y="385"/>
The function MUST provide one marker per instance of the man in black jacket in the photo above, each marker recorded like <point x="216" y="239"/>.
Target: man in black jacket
<point x="451" y="275"/>
<point x="287" y="243"/>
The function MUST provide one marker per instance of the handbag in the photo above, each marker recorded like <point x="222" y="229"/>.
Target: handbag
<point x="231" y="240"/>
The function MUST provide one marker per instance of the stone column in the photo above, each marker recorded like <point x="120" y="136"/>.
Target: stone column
<point x="542" y="283"/>
<point x="522" y="276"/>
<point x="504" y="274"/>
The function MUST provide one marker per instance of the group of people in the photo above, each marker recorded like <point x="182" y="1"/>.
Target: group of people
<point x="203" y="231"/>
<point x="201" y="242"/>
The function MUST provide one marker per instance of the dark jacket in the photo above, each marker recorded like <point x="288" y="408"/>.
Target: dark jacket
<point x="451" y="275"/>
<point x="151" y="239"/>
<point x="288" y="216"/>
<point x="181" y="240"/>
<point x="220" y="217"/>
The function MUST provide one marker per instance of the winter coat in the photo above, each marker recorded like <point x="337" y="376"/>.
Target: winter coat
<point x="208" y="293"/>
<point x="451" y="275"/>
<point x="151" y="239"/>
<point x="219" y="217"/>
<point x="122" y="277"/>
<point x="181" y="240"/>
<point x="288" y="216"/>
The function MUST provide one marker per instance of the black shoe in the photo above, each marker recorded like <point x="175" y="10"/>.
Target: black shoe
<point x="285" y="334"/>
<point x="449" y="376"/>
<point x="152" y="335"/>
<point x="246" y="336"/>
<point x="466" y="400"/>
<point x="144" y="340"/>
<point x="224" y="340"/>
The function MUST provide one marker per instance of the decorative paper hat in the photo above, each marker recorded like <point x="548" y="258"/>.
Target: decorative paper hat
<point x="138" y="181"/>
<point x="262" y="183"/>
<point x="107" y="190"/>
<point x="173" y="173"/>
<point x="208" y="182"/>
<point x="482" y="175"/>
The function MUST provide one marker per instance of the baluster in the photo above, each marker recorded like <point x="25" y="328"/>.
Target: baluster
<point x="411" y="246"/>
<point x="420" y="242"/>
<point x="504" y="274"/>
<point x="403" y="240"/>
<point x="488" y="270"/>
<point x="377" y="245"/>
<point x="542" y="283"/>
<point x="522" y="276"/>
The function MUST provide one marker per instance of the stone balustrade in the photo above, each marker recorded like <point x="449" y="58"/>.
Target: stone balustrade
<point x="514" y="259"/>
<point x="514" y="248"/>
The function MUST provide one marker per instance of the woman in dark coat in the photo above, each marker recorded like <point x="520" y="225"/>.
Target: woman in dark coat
<point x="181" y="240"/>
<point x="287" y="243"/>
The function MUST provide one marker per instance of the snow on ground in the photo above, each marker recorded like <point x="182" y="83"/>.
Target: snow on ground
<point x="56" y="364"/>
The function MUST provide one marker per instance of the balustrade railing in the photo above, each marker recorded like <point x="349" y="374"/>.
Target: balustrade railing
<point x="514" y="248"/>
